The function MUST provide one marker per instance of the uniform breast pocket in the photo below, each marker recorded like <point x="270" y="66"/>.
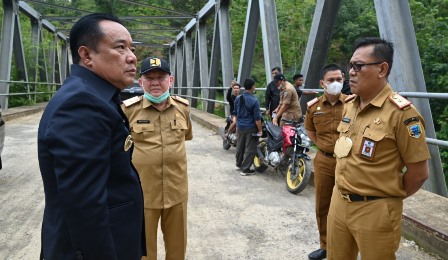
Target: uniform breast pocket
<point x="321" y="122"/>
<point x="141" y="132"/>
<point x="178" y="128"/>
<point x="371" y="140"/>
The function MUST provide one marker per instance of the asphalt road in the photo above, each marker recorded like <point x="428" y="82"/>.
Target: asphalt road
<point x="229" y="216"/>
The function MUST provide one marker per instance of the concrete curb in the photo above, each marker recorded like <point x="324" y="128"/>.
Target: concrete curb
<point x="425" y="216"/>
<point x="16" y="112"/>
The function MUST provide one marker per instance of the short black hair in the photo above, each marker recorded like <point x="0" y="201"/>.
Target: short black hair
<point x="87" y="32"/>
<point x="297" y="76"/>
<point x="327" y="68"/>
<point x="383" y="50"/>
<point x="249" y="83"/>
<point x="277" y="69"/>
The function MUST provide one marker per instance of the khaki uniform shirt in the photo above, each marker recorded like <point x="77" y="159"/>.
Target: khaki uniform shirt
<point x="323" y="118"/>
<point x="384" y="137"/>
<point x="288" y="95"/>
<point x="159" y="149"/>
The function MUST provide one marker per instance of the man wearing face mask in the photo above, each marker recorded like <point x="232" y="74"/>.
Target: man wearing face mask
<point x="322" y="118"/>
<point x="160" y="124"/>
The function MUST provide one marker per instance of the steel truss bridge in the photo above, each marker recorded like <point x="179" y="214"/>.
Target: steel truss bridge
<point x="198" y="74"/>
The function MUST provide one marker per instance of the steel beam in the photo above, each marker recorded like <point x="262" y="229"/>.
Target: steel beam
<point x="249" y="40"/>
<point x="202" y="57"/>
<point x="319" y="39"/>
<point x="214" y="65"/>
<point x="271" y="40"/>
<point x="188" y="58"/>
<point x="226" y="47"/>
<point x="179" y="66"/>
<point x="395" y="24"/>
<point x="9" y="15"/>
<point x="19" y="54"/>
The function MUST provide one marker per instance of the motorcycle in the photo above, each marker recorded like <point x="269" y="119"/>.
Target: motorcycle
<point x="285" y="149"/>
<point x="231" y="139"/>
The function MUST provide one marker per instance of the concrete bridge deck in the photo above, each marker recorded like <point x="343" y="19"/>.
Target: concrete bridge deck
<point x="425" y="214"/>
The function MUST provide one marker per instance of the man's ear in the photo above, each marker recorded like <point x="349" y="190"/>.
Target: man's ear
<point x="85" y="57"/>
<point x="171" y="81"/>
<point x="384" y="67"/>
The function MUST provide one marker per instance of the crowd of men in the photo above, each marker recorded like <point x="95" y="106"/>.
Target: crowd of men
<point x="113" y="170"/>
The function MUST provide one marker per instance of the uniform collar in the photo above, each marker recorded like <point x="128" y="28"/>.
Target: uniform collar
<point x="341" y="98"/>
<point x="379" y="100"/>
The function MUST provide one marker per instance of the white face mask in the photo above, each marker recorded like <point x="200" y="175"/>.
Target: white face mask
<point x="334" y="88"/>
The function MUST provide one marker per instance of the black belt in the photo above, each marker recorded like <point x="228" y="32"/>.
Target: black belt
<point x="356" y="197"/>
<point x="328" y="154"/>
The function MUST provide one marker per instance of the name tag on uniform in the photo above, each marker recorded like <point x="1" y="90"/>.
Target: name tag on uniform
<point x="346" y="120"/>
<point x="143" y="121"/>
<point x="318" y="113"/>
<point x="367" y="148"/>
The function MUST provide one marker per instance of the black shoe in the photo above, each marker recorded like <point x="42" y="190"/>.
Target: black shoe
<point x="319" y="254"/>
<point x="247" y="172"/>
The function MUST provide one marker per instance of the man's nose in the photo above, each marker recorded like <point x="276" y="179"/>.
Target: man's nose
<point x="132" y="58"/>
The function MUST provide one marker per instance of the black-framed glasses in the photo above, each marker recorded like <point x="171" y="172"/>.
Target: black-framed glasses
<point x="358" y="66"/>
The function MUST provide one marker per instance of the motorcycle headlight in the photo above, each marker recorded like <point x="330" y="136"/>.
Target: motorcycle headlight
<point x="306" y="142"/>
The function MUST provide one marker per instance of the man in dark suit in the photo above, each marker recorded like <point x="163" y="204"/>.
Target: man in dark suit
<point x="93" y="197"/>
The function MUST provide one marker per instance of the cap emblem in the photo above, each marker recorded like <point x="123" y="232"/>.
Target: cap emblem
<point x="155" y="62"/>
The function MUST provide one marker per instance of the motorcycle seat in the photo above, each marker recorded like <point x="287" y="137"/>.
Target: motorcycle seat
<point x="274" y="130"/>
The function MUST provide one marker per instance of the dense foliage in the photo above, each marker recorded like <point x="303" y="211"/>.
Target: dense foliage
<point x="356" y="18"/>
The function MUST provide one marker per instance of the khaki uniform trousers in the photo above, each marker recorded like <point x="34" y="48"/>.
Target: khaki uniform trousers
<point x="324" y="167"/>
<point x="173" y="222"/>
<point x="371" y="227"/>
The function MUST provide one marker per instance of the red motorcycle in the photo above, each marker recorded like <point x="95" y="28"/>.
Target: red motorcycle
<point x="285" y="149"/>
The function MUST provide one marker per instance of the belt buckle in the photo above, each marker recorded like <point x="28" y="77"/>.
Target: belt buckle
<point x="345" y="196"/>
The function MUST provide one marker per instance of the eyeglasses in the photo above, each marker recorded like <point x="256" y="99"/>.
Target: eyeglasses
<point x="358" y="66"/>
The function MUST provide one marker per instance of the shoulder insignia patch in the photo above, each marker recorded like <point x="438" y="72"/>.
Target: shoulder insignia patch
<point x="399" y="101"/>
<point x="415" y="130"/>
<point x="181" y="100"/>
<point x="312" y="102"/>
<point x="350" y="98"/>
<point x="131" y="101"/>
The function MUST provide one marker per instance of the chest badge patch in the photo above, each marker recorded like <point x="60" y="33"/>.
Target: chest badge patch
<point x="128" y="143"/>
<point x="415" y="130"/>
<point x="343" y="146"/>
<point x="367" y="148"/>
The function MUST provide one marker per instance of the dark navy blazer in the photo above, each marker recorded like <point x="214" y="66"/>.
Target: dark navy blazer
<point x="93" y="197"/>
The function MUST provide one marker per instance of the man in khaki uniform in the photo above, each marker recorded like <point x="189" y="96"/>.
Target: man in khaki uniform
<point x="381" y="159"/>
<point x="322" y="118"/>
<point x="289" y="107"/>
<point x="160" y="124"/>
